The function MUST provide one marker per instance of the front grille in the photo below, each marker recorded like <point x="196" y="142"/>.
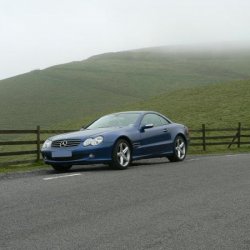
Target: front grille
<point x="66" y="143"/>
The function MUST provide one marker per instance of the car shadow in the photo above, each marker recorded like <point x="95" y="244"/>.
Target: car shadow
<point x="143" y="163"/>
<point x="84" y="168"/>
<point x="101" y="167"/>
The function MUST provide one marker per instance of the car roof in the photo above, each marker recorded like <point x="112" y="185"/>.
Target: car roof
<point x="136" y="112"/>
<point x="142" y="112"/>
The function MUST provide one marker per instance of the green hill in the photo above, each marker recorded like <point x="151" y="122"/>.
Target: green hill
<point x="112" y="81"/>
<point x="219" y="105"/>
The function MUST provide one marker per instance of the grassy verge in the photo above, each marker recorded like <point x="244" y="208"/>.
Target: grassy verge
<point x="23" y="168"/>
<point x="218" y="150"/>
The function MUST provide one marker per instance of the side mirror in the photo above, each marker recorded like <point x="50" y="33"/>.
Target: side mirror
<point x="147" y="126"/>
<point x="82" y="128"/>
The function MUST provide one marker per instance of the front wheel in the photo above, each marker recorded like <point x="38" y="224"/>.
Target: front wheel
<point x="61" y="168"/>
<point x="121" y="156"/>
<point x="180" y="149"/>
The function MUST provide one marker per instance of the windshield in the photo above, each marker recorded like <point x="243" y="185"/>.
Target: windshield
<point x="115" y="120"/>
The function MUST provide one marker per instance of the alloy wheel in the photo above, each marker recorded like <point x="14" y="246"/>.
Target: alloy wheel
<point x="180" y="148"/>
<point x="123" y="154"/>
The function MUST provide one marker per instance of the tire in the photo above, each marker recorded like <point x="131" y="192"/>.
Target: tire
<point x="61" y="168"/>
<point x="180" y="149"/>
<point x="121" y="155"/>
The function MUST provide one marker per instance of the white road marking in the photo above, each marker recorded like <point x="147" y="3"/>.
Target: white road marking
<point x="61" y="176"/>
<point x="231" y="155"/>
<point x="194" y="159"/>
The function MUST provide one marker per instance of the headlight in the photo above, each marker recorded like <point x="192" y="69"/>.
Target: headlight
<point x="97" y="140"/>
<point x="47" y="144"/>
<point x="87" y="142"/>
<point x="93" y="141"/>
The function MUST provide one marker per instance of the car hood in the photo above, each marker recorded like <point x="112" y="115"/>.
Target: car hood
<point x="83" y="134"/>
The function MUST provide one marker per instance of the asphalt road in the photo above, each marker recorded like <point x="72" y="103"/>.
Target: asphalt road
<point x="202" y="203"/>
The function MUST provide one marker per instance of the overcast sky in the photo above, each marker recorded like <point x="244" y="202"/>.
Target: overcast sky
<point x="37" y="34"/>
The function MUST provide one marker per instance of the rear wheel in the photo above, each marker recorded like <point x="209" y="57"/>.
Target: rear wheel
<point x="61" y="168"/>
<point x="180" y="149"/>
<point x="121" y="156"/>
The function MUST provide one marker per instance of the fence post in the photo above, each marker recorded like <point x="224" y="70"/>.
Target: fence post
<point x="239" y="134"/>
<point x="38" y="142"/>
<point x="204" y="137"/>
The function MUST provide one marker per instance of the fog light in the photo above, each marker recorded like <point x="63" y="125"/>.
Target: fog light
<point x="91" y="156"/>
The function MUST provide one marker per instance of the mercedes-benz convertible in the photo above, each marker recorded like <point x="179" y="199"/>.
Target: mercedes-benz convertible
<point x="117" y="140"/>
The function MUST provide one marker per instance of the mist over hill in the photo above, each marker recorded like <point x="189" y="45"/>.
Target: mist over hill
<point x="110" y="81"/>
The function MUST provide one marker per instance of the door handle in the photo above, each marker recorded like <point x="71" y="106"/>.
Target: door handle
<point x="165" y="130"/>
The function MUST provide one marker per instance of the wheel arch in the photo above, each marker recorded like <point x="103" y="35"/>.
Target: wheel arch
<point x="127" y="139"/>
<point x="183" y="136"/>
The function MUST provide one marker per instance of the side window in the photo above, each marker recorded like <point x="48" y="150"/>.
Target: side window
<point x="151" y="119"/>
<point x="163" y="121"/>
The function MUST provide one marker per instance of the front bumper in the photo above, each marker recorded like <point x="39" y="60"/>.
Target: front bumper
<point x="80" y="155"/>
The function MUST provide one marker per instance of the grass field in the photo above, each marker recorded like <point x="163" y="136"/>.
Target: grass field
<point x="216" y="105"/>
<point x="108" y="82"/>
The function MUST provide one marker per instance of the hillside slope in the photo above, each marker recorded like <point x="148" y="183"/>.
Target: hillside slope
<point x="216" y="105"/>
<point x="110" y="81"/>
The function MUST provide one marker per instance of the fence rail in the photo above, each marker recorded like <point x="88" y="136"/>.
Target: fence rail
<point x="201" y="138"/>
<point x="205" y="139"/>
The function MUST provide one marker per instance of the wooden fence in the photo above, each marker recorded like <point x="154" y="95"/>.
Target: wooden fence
<point x="220" y="136"/>
<point x="201" y="138"/>
<point x="37" y="142"/>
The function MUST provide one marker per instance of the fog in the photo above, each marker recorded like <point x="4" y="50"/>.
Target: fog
<point x="39" y="34"/>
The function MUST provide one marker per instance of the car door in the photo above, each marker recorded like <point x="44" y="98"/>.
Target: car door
<point x="155" y="137"/>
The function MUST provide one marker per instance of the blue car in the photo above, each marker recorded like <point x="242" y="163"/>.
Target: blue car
<point x="118" y="139"/>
